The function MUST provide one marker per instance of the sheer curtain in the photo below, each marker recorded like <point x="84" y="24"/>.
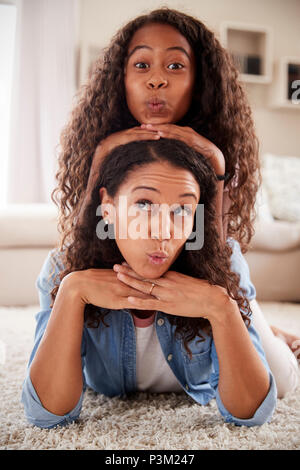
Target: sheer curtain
<point x="43" y="86"/>
<point x="7" y="39"/>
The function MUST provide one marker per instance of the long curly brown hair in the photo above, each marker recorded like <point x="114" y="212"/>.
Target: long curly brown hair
<point x="219" y="111"/>
<point x="212" y="262"/>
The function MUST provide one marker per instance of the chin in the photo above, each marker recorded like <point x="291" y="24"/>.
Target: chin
<point x="153" y="272"/>
<point x="157" y="120"/>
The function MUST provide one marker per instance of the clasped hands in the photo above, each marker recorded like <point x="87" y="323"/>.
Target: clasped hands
<point x="174" y="293"/>
<point x="197" y="141"/>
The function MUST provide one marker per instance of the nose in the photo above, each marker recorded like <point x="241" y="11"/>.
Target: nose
<point x="153" y="85"/>
<point x="157" y="81"/>
<point x="160" y="228"/>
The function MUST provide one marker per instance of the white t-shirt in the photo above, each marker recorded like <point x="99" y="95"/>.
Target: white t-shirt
<point x="153" y="372"/>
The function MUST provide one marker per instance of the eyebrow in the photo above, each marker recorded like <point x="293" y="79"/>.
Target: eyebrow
<point x="156" y="190"/>
<point x="178" y="48"/>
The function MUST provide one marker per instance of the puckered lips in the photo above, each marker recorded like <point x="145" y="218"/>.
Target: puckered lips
<point x="156" y="104"/>
<point x="158" y="257"/>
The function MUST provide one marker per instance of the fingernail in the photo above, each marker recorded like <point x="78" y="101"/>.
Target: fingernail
<point x="116" y="267"/>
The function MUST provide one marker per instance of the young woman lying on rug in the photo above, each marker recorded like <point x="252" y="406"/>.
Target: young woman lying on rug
<point x="173" y="59"/>
<point x="175" y="318"/>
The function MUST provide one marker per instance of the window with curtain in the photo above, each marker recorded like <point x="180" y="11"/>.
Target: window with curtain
<point x="43" y="86"/>
<point x="8" y="15"/>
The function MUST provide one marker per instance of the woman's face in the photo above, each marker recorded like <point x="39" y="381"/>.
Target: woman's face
<point x="160" y="66"/>
<point x="139" y="231"/>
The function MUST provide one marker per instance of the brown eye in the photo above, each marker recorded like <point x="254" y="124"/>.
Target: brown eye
<point x="176" y="63"/>
<point x="140" y="63"/>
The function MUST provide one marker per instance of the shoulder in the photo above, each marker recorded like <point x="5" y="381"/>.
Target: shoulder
<point x="237" y="259"/>
<point x="49" y="278"/>
<point x="240" y="266"/>
<point x="52" y="266"/>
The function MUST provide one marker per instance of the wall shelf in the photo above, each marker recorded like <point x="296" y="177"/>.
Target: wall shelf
<point x="250" y="46"/>
<point x="285" y="91"/>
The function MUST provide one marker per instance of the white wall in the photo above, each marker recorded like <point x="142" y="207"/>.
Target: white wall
<point x="277" y="129"/>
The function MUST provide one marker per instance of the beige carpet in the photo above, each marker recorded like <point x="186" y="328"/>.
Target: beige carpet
<point x="145" y="421"/>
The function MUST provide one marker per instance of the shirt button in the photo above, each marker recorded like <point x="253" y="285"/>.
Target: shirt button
<point x="160" y="321"/>
<point x="170" y="357"/>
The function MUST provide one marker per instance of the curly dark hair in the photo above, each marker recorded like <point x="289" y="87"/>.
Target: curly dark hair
<point x="219" y="111"/>
<point x="211" y="262"/>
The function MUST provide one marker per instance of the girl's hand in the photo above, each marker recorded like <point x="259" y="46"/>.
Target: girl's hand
<point x="101" y="287"/>
<point x="176" y="294"/>
<point x="114" y="140"/>
<point x="194" y="140"/>
<point x="105" y="147"/>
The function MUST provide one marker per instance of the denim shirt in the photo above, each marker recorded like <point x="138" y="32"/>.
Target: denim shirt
<point x="109" y="356"/>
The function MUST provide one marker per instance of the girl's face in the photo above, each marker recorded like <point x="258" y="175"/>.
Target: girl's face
<point x="160" y="66"/>
<point x="139" y="231"/>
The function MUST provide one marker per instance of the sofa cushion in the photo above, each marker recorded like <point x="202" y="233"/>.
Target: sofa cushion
<point x="28" y="225"/>
<point x="275" y="275"/>
<point x="276" y="235"/>
<point x="281" y="176"/>
<point x="19" y="269"/>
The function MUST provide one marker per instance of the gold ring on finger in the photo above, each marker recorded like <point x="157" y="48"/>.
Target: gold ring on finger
<point x="151" y="288"/>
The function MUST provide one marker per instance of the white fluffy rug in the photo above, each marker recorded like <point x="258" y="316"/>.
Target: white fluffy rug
<point x="143" y="421"/>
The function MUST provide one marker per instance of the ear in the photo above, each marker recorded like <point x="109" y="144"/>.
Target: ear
<point x="107" y="206"/>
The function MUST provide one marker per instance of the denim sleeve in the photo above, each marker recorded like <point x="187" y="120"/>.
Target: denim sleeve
<point x="34" y="411"/>
<point x="38" y="415"/>
<point x="266" y="409"/>
<point x="240" y="266"/>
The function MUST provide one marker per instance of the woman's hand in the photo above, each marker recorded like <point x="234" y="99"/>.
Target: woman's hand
<point x="176" y="294"/>
<point x="101" y="287"/>
<point x="194" y="140"/>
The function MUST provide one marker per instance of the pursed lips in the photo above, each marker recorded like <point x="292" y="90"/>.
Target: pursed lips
<point x="159" y="254"/>
<point x="156" y="104"/>
<point x="156" y="100"/>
